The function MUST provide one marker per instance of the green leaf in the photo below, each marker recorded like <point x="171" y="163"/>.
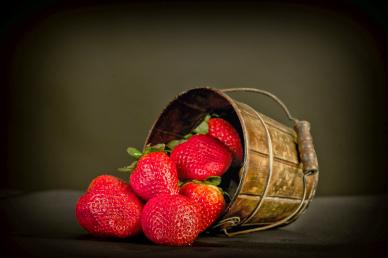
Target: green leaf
<point x="172" y="144"/>
<point x="213" y="180"/>
<point x="155" y="148"/>
<point x="203" y="127"/>
<point x="147" y="148"/>
<point x="134" y="152"/>
<point x="187" y="136"/>
<point x="128" y="169"/>
<point x="159" y="147"/>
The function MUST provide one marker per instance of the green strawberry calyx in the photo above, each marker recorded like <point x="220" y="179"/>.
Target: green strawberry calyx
<point x="136" y="154"/>
<point x="202" y="128"/>
<point x="214" y="181"/>
<point x="172" y="144"/>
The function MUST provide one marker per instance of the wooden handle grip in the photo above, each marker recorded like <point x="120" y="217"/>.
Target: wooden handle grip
<point x="306" y="148"/>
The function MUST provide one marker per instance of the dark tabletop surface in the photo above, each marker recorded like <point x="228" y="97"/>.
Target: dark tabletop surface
<point x="42" y="224"/>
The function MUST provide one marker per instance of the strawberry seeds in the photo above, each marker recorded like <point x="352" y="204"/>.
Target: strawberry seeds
<point x="172" y="195"/>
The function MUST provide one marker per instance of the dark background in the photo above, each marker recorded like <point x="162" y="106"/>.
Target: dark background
<point x="82" y="81"/>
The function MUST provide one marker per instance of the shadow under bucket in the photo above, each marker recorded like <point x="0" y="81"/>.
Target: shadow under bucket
<point x="279" y="174"/>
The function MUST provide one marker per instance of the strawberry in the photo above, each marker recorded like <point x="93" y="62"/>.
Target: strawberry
<point x="225" y="132"/>
<point x="110" y="210"/>
<point x="155" y="173"/>
<point x="200" y="157"/>
<point x="171" y="220"/>
<point x="105" y="182"/>
<point x="208" y="196"/>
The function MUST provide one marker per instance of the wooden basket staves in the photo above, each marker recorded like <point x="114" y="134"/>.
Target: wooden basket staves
<point x="279" y="174"/>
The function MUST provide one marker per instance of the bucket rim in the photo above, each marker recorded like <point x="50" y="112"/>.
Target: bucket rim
<point x="237" y="111"/>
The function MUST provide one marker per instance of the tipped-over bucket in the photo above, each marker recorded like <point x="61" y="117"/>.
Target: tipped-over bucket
<point x="279" y="174"/>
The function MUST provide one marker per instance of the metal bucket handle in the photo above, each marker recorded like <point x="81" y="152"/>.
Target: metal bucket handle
<point x="306" y="149"/>
<point x="307" y="156"/>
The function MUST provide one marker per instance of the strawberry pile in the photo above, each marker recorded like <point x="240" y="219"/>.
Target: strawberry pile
<point x="173" y="192"/>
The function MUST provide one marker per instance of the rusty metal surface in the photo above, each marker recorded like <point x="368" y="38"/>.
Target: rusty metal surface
<point x="262" y="194"/>
<point x="285" y="186"/>
<point x="306" y="147"/>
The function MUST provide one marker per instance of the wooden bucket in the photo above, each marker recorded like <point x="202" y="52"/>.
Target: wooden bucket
<point x="279" y="174"/>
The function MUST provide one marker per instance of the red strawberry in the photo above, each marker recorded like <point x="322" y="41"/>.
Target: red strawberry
<point x="171" y="220"/>
<point x="200" y="157"/>
<point x="105" y="182"/>
<point x="113" y="211"/>
<point x="155" y="173"/>
<point x="209" y="197"/>
<point x="108" y="183"/>
<point x="225" y="132"/>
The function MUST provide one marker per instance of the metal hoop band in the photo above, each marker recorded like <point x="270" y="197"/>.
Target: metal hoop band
<point x="297" y="211"/>
<point x="307" y="171"/>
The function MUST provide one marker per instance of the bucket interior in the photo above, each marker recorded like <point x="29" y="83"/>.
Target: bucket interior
<point x="186" y="112"/>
